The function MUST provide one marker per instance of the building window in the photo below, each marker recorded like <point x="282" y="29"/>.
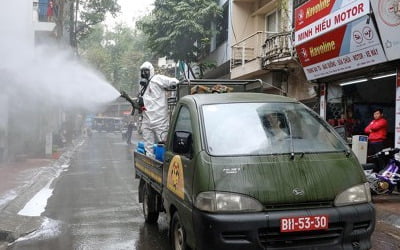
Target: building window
<point x="273" y="23"/>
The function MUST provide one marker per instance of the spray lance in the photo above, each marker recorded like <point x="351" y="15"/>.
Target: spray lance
<point x="144" y="82"/>
<point x="136" y="104"/>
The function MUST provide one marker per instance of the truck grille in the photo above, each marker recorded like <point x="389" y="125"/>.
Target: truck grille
<point x="272" y="238"/>
<point x="294" y="206"/>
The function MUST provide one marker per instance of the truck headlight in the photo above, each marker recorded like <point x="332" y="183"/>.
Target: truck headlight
<point x="354" y="195"/>
<point x="226" y="202"/>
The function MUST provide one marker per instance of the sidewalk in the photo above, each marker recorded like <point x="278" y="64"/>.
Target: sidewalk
<point x="19" y="182"/>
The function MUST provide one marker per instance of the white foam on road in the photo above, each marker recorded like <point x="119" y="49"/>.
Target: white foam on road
<point x="37" y="205"/>
<point x="64" y="168"/>
<point x="47" y="230"/>
<point x="26" y="179"/>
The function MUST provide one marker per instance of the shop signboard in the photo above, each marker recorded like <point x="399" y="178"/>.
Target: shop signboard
<point x="387" y="15"/>
<point x="348" y="47"/>
<point x="397" y="132"/>
<point x="317" y="17"/>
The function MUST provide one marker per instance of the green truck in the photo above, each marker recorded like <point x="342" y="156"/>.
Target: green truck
<point x="248" y="170"/>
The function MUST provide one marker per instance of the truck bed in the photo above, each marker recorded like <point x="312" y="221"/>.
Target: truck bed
<point x="149" y="169"/>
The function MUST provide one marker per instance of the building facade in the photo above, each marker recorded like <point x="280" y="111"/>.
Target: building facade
<point x="352" y="50"/>
<point x="259" y="45"/>
<point x="284" y="42"/>
<point x="27" y="123"/>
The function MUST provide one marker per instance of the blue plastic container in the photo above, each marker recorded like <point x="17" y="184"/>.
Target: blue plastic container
<point x="142" y="151"/>
<point x="154" y="148"/>
<point x="159" y="152"/>
<point x="140" y="147"/>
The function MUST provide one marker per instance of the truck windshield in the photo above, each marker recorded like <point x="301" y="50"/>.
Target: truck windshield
<point x="266" y="128"/>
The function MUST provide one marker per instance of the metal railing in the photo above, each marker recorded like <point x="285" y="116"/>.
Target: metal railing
<point x="248" y="49"/>
<point x="265" y="45"/>
<point x="278" y="46"/>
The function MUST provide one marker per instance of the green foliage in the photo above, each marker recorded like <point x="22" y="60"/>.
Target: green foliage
<point x="180" y="29"/>
<point x="118" y="54"/>
<point x="206" y="65"/>
<point x="92" y="12"/>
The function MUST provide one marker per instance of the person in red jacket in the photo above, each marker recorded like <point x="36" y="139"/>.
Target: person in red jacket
<point x="50" y="11"/>
<point x="376" y="131"/>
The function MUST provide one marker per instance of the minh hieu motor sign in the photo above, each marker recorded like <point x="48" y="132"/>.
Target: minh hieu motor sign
<point x="332" y="37"/>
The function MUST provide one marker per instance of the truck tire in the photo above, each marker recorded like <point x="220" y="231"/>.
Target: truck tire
<point x="178" y="234"/>
<point x="150" y="211"/>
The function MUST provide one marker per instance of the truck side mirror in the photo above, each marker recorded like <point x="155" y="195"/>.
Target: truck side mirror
<point x="182" y="142"/>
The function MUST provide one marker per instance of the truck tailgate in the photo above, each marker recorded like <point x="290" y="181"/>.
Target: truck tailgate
<point x="149" y="169"/>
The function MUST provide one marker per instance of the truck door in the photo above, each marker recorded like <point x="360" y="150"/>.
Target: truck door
<point x="178" y="170"/>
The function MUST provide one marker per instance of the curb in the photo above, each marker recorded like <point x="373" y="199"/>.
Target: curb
<point x="13" y="225"/>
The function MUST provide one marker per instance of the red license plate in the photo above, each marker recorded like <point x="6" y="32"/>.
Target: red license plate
<point x="304" y="223"/>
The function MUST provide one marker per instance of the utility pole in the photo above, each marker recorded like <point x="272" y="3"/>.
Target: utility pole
<point x="72" y="34"/>
<point x="59" y="19"/>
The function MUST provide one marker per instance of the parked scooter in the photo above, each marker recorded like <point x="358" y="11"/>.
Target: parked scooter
<point x="389" y="177"/>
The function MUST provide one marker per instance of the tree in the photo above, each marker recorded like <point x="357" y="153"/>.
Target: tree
<point x="83" y="15"/>
<point x="92" y="12"/>
<point x="117" y="54"/>
<point x="180" y="29"/>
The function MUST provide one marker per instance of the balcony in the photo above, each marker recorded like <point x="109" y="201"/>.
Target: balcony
<point x="262" y="51"/>
<point x="278" y="51"/>
<point x="41" y="20"/>
<point x="247" y="56"/>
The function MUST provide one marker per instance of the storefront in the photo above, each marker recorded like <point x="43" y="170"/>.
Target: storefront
<point x="350" y="103"/>
<point x="350" y="48"/>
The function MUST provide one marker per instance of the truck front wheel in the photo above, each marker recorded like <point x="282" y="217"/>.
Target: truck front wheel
<point x="178" y="234"/>
<point x="150" y="211"/>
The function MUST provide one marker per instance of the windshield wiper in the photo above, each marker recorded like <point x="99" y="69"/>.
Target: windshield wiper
<point x="291" y="139"/>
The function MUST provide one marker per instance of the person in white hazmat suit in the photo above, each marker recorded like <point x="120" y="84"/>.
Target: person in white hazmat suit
<point x="155" y="120"/>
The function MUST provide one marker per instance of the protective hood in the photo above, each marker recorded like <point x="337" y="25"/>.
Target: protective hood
<point x="149" y="66"/>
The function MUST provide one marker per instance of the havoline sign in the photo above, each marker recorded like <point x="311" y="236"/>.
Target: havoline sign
<point x="318" y="17"/>
<point x="332" y="37"/>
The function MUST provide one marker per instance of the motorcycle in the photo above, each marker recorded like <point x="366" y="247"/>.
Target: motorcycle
<point x="388" y="178"/>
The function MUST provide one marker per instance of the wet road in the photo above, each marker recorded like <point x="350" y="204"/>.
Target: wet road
<point x="94" y="204"/>
<point x="387" y="236"/>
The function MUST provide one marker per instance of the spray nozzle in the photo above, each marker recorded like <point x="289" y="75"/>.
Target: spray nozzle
<point x="124" y="94"/>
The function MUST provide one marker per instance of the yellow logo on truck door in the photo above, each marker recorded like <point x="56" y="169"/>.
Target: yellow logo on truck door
<point x="175" y="180"/>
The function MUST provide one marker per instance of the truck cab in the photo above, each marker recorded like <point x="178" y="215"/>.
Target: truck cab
<point x="256" y="171"/>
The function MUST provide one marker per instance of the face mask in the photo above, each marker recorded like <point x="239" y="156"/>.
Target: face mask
<point x="145" y="73"/>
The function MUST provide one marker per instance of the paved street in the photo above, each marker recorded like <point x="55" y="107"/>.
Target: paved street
<point x="93" y="203"/>
<point x="387" y="231"/>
